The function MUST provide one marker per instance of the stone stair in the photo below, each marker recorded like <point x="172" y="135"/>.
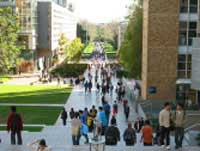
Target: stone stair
<point x="59" y="138"/>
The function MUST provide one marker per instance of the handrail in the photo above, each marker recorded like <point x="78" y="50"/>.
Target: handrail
<point x="148" y="103"/>
<point x="191" y="127"/>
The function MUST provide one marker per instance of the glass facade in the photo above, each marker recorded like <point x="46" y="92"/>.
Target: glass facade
<point x="188" y="29"/>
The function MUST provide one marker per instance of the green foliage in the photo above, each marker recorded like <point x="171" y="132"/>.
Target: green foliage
<point x="9" y="48"/>
<point x="131" y="49"/>
<point x="89" y="49"/>
<point x="69" y="70"/>
<point x="74" y="50"/>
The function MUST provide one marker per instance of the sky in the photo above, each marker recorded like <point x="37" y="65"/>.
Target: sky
<point x="102" y="11"/>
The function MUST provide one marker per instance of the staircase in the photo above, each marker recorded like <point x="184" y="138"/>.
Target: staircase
<point x="59" y="138"/>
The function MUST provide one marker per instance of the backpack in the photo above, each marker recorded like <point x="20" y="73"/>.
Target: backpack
<point x="110" y="137"/>
<point x="15" y="122"/>
<point x="129" y="137"/>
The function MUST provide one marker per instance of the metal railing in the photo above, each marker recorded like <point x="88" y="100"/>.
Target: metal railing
<point x="147" y="104"/>
<point x="189" y="129"/>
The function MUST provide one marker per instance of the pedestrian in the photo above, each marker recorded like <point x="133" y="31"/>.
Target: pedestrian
<point x="86" y="86"/>
<point x="72" y="113"/>
<point x="94" y="111"/>
<point x="90" y="121"/>
<point x="179" y="120"/>
<point x="115" y="108"/>
<point x="137" y="125"/>
<point x="76" y="125"/>
<point x="98" y="87"/>
<point x="107" y="108"/>
<point x="64" y="116"/>
<point x="15" y="126"/>
<point x="129" y="136"/>
<point x="83" y="117"/>
<point x="164" y="121"/>
<point x="114" y="120"/>
<point x="112" y="134"/>
<point x="102" y="120"/>
<point x="141" y="123"/>
<point x="127" y="112"/>
<point x="111" y="89"/>
<point x="39" y="145"/>
<point x="84" y="132"/>
<point x="147" y="134"/>
<point x="90" y="85"/>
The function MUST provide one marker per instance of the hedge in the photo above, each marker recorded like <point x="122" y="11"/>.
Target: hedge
<point x="69" y="70"/>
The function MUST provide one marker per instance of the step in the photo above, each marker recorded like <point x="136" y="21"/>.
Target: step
<point x="86" y="148"/>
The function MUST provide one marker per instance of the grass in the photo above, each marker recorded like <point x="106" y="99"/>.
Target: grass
<point x="30" y="129"/>
<point x="89" y="49"/>
<point x="33" y="115"/>
<point x="34" y="94"/>
<point x="4" y="78"/>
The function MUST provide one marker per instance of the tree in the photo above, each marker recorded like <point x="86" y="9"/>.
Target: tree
<point x="9" y="48"/>
<point x="74" y="51"/>
<point x="131" y="49"/>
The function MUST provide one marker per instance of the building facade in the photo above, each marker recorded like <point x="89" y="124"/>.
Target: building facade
<point x="169" y="28"/>
<point x="27" y="13"/>
<point x="53" y="20"/>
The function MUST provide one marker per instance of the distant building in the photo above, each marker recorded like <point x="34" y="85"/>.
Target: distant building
<point x="53" y="20"/>
<point x="27" y="12"/>
<point x="122" y="29"/>
<point x="169" y="27"/>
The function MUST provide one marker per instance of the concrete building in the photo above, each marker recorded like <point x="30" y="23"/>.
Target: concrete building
<point x="53" y="20"/>
<point x="27" y="12"/>
<point x="168" y="31"/>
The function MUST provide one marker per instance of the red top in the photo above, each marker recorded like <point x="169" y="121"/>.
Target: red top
<point x="147" y="133"/>
<point x="9" y="121"/>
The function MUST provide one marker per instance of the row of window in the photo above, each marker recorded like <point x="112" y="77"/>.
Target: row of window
<point x="187" y="31"/>
<point x="189" y="6"/>
<point x="184" y="66"/>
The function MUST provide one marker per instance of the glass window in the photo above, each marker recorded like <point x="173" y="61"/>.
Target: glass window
<point x="183" y="38"/>
<point x="193" y="25"/>
<point x="184" y="6"/>
<point x="181" y="66"/>
<point x="193" y="6"/>
<point x="181" y="74"/>
<point x="181" y="58"/>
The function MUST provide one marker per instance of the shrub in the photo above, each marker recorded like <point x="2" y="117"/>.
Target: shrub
<point x="69" y="70"/>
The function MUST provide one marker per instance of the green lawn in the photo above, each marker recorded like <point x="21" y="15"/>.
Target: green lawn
<point x="33" y="115"/>
<point x="4" y="78"/>
<point x="34" y="94"/>
<point x="30" y="129"/>
<point x="89" y="49"/>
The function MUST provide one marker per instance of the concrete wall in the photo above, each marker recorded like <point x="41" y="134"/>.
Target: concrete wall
<point x="160" y="43"/>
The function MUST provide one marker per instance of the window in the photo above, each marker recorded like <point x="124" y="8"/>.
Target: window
<point x="184" y="6"/>
<point x="192" y="32"/>
<point x="183" y="33"/>
<point x="193" y="6"/>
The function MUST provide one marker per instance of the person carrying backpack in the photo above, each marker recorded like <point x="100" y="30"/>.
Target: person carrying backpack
<point x="130" y="136"/>
<point x="64" y="116"/>
<point x="112" y="134"/>
<point x="15" y="126"/>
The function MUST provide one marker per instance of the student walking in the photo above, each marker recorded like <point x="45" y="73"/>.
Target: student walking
<point x="126" y="111"/>
<point x="164" y="121"/>
<point x="64" y="116"/>
<point x="112" y="134"/>
<point x="115" y="108"/>
<point x="15" y="126"/>
<point x="84" y="132"/>
<point x="147" y="134"/>
<point x="129" y="136"/>
<point x="179" y="120"/>
<point x="76" y="125"/>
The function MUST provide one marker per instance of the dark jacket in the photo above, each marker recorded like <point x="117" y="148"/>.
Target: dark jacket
<point x="112" y="135"/>
<point x="130" y="136"/>
<point x="10" y="120"/>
